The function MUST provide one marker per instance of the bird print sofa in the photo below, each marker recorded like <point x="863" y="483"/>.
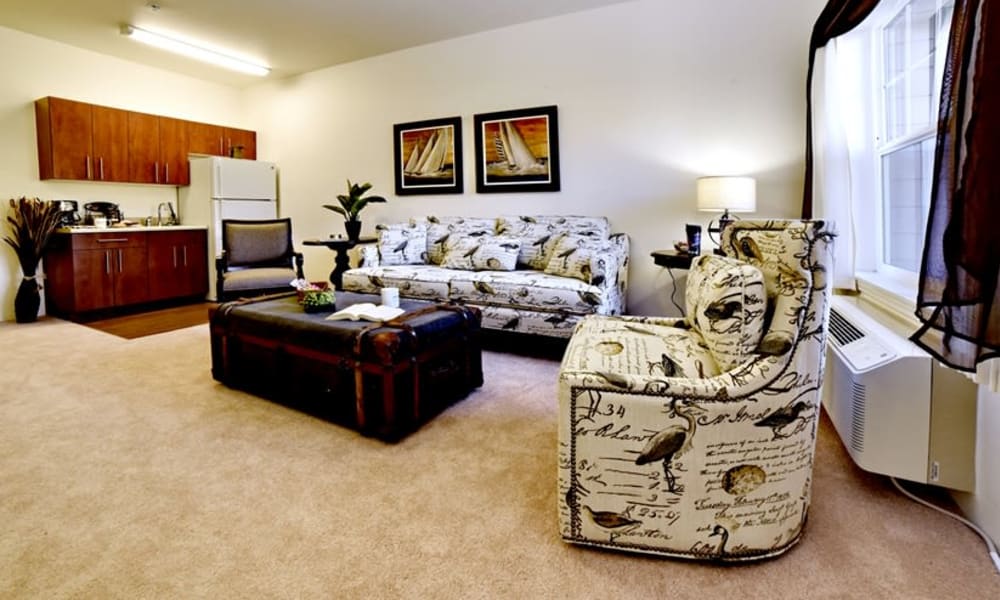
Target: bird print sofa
<point x="527" y="274"/>
<point x="694" y="437"/>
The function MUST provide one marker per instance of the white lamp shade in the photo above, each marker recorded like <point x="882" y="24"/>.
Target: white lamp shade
<point x="735" y="194"/>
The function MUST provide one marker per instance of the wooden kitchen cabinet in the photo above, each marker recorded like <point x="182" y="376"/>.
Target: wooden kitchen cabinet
<point x="80" y="141"/>
<point x="110" y="144"/>
<point x="143" y="148"/>
<point x="241" y="142"/>
<point x="177" y="263"/>
<point x="205" y="138"/>
<point x="216" y="140"/>
<point x="174" y="151"/>
<point x="157" y="149"/>
<point x="93" y="271"/>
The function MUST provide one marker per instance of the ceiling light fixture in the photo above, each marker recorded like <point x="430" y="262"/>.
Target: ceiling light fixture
<point x="192" y="51"/>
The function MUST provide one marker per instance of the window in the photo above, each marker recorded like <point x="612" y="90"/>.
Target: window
<point x="911" y="39"/>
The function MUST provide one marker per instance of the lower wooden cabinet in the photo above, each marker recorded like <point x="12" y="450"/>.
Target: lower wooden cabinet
<point x="177" y="265"/>
<point x="88" y="271"/>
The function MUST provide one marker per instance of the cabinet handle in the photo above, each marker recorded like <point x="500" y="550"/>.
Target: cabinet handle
<point x="184" y="249"/>
<point x="107" y="262"/>
<point x="110" y="240"/>
<point x="174" y="250"/>
<point x="156" y="172"/>
<point x="100" y="162"/>
<point x="229" y="144"/>
<point x="166" y="171"/>
<point x="119" y="260"/>
<point x="222" y="145"/>
<point x="90" y="174"/>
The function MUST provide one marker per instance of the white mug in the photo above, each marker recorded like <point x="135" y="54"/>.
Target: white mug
<point x="101" y="222"/>
<point x="390" y="297"/>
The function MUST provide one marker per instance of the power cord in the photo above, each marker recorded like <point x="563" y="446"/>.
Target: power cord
<point x="673" y="290"/>
<point x="989" y="543"/>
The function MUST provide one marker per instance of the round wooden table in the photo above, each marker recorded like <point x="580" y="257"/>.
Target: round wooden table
<point x="342" y="261"/>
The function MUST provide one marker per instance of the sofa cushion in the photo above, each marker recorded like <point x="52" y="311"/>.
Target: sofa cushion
<point x="441" y="229"/>
<point x="634" y="346"/>
<point x="539" y="234"/>
<point x="532" y="290"/>
<point x="537" y="241"/>
<point x="402" y="244"/>
<point x="598" y="227"/>
<point x="726" y="303"/>
<point x="481" y="253"/>
<point x="413" y="281"/>
<point x="787" y="288"/>
<point x="573" y="256"/>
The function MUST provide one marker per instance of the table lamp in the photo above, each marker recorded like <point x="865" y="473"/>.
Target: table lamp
<point x="728" y="194"/>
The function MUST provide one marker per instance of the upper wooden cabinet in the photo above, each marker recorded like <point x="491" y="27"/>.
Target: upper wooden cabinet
<point x="215" y="140"/>
<point x="205" y="138"/>
<point x="157" y="149"/>
<point x="83" y="141"/>
<point x="174" y="151"/>
<point x="241" y="143"/>
<point x="110" y="144"/>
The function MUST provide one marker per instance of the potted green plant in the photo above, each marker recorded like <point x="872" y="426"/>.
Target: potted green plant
<point x="32" y="222"/>
<point x="351" y="204"/>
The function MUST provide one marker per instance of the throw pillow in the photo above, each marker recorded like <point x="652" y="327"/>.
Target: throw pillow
<point x="573" y="256"/>
<point x="482" y="253"/>
<point x="441" y="229"/>
<point x="402" y="244"/>
<point x="726" y="301"/>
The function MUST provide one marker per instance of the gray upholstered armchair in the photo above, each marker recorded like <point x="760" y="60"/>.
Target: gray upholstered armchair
<point x="257" y="258"/>
<point x="694" y="437"/>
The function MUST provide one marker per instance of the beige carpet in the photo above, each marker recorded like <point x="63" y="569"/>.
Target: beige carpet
<point x="127" y="472"/>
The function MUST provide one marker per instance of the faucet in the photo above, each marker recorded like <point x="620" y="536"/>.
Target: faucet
<point x="171" y="220"/>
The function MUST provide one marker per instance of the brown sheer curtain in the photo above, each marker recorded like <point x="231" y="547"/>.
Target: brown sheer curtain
<point x="957" y="296"/>
<point x="837" y="18"/>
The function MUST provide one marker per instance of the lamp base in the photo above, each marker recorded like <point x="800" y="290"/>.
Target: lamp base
<point x="715" y="232"/>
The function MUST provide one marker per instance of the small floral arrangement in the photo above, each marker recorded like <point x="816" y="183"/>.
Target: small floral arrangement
<point x="315" y="296"/>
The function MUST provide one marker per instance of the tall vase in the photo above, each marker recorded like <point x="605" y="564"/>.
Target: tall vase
<point x="27" y="300"/>
<point x="353" y="230"/>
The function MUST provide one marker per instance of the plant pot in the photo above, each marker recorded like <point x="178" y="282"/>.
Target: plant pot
<point x="353" y="229"/>
<point x="27" y="301"/>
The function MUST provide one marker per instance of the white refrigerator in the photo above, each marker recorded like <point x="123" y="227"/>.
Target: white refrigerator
<point x="227" y="188"/>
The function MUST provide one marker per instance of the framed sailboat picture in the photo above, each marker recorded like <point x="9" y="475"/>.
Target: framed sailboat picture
<point x="517" y="151"/>
<point x="428" y="156"/>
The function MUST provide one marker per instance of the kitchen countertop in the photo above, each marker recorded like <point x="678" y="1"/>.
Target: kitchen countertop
<point x="92" y="229"/>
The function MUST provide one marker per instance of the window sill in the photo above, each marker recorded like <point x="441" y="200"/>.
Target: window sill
<point x="892" y="295"/>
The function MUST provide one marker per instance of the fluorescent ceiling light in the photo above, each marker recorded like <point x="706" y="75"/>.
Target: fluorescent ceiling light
<point x="192" y="51"/>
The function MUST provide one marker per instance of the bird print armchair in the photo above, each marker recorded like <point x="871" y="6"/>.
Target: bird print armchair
<point x="694" y="437"/>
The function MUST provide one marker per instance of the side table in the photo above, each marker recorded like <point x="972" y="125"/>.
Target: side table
<point x="342" y="261"/>
<point x="671" y="259"/>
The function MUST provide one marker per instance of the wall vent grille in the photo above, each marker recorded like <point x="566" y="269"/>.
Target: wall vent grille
<point x="842" y="331"/>
<point x="858" y="406"/>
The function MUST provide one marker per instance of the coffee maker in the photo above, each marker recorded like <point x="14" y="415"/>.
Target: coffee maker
<point x="108" y="210"/>
<point x="69" y="214"/>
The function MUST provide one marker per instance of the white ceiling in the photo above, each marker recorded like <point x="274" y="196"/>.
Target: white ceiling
<point x="291" y="36"/>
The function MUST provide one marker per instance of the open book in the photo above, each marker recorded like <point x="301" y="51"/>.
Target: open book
<point x="366" y="311"/>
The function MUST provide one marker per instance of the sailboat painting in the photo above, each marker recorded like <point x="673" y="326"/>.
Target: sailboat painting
<point x="429" y="156"/>
<point x="517" y="151"/>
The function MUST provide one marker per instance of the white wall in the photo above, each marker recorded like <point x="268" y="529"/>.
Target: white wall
<point x="33" y="67"/>
<point x="651" y="95"/>
<point x="982" y="507"/>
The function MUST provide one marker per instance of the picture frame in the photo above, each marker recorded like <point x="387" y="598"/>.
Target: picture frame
<point x="517" y="150"/>
<point x="428" y="156"/>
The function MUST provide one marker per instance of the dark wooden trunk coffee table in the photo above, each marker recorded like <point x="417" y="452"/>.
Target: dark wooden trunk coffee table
<point x="385" y="379"/>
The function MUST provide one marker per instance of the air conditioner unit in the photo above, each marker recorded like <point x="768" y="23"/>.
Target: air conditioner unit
<point x="898" y="411"/>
